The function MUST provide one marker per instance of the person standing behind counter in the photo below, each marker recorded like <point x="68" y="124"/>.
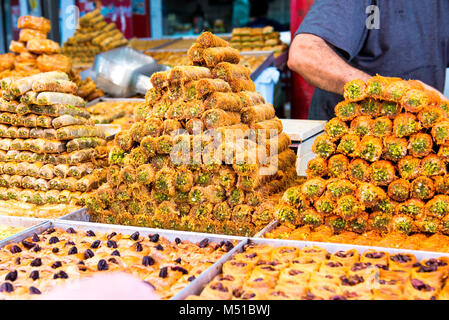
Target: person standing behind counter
<point x="343" y="40"/>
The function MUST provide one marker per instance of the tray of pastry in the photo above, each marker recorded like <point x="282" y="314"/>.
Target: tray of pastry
<point x="263" y="269"/>
<point x="169" y="261"/>
<point x="11" y="226"/>
<point x="30" y="210"/>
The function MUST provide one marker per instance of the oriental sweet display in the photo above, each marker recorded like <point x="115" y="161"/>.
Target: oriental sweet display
<point x="58" y="257"/>
<point x="190" y="161"/>
<point x="257" y="39"/>
<point x="34" y="53"/>
<point x="50" y="151"/>
<point x="263" y="272"/>
<point x="94" y="36"/>
<point x="381" y="165"/>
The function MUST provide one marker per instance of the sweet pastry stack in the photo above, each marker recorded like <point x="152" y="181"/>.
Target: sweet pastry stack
<point x="94" y="36"/>
<point x="263" y="272"/>
<point x="257" y="39"/>
<point x="58" y="257"/>
<point x="34" y="53"/>
<point x="50" y="151"/>
<point x="206" y="153"/>
<point x="380" y="166"/>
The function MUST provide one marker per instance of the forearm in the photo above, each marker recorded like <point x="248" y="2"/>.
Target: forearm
<point x="317" y="62"/>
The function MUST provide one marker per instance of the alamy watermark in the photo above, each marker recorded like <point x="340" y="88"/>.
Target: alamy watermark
<point x="373" y="19"/>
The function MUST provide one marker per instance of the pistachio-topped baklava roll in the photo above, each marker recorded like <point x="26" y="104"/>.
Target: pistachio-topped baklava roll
<point x="225" y="101"/>
<point x="208" y="86"/>
<point x="399" y="190"/>
<point x="268" y="128"/>
<point x="422" y="188"/>
<point x="432" y="165"/>
<point x="160" y="80"/>
<point x="337" y="166"/>
<point x="239" y="85"/>
<point x="210" y="40"/>
<point x="84" y="143"/>
<point x="258" y="113"/>
<point x="213" y="56"/>
<point x="228" y="71"/>
<point x="215" y="118"/>
<point x="440" y="132"/>
<point x="361" y="125"/>
<point x="195" y="53"/>
<point x="188" y="73"/>
<point x="430" y="115"/>
<point x="323" y="146"/>
<point x="81" y="170"/>
<point x="355" y="90"/>
<point x="370" y="148"/>
<point x="415" y="100"/>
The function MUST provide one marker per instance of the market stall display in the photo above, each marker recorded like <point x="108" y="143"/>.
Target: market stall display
<point x="114" y="112"/>
<point x="158" y="177"/>
<point x="34" y="54"/>
<point x="92" y="37"/>
<point x="380" y="169"/>
<point x="266" y="272"/>
<point x="50" y="150"/>
<point x="59" y="256"/>
<point x="258" y="39"/>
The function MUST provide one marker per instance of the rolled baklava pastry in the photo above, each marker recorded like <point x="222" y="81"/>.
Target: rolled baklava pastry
<point x="84" y="143"/>
<point x="189" y="73"/>
<point x="51" y="85"/>
<point x="215" y="118"/>
<point x="213" y="56"/>
<point x="209" y="40"/>
<point x="268" y="128"/>
<point x="226" y="101"/>
<point x="159" y="80"/>
<point x="208" y="86"/>
<point x="68" y="120"/>
<point x="258" y="113"/>
<point x="195" y="53"/>
<point x="228" y="71"/>
<point x="239" y="85"/>
<point x="55" y="98"/>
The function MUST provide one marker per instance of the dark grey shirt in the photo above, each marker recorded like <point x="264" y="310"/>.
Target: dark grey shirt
<point x="412" y="41"/>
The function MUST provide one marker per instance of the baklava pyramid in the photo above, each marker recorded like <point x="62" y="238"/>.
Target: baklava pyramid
<point x="166" y="172"/>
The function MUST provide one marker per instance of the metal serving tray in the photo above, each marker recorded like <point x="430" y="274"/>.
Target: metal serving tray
<point x="25" y="222"/>
<point x="168" y="234"/>
<point x="78" y="215"/>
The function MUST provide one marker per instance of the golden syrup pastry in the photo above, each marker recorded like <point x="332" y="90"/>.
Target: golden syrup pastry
<point x="44" y="261"/>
